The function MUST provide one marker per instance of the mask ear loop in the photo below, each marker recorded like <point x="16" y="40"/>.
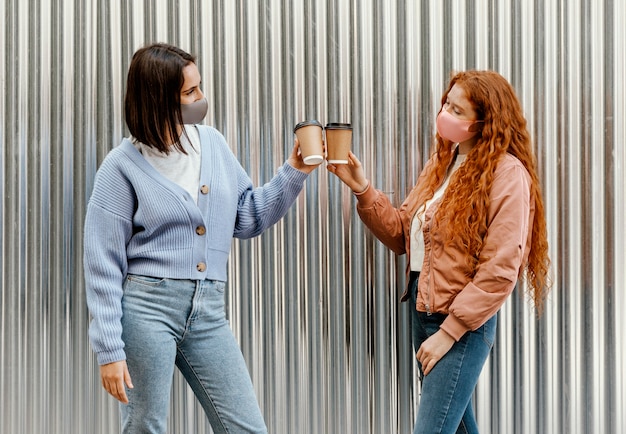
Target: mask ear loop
<point x="472" y="127"/>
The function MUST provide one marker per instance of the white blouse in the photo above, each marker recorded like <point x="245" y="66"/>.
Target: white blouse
<point x="417" y="237"/>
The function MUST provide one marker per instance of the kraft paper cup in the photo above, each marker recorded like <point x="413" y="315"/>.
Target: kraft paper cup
<point x="338" y="142"/>
<point x="309" y="135"/>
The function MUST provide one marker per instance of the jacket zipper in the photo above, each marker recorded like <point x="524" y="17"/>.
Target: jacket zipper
<point x="430" y="264"/>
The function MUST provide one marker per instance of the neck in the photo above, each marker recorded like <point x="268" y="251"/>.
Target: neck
<point x="466" y="146"/>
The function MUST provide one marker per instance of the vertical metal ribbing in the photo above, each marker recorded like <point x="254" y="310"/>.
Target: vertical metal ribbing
<point x="314" y="301"/>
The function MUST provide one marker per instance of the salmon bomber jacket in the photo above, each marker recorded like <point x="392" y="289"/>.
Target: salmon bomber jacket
<point x="444" y="285"/>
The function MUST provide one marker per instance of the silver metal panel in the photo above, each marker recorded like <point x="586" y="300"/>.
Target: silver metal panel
<point x="314" y="301"/>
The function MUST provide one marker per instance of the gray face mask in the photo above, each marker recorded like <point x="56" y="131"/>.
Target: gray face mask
<point x="196" y="111"/>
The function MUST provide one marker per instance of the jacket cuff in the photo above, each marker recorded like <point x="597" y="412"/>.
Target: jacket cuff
<point x="367" y="198"/>
<point x="454" y="327"/>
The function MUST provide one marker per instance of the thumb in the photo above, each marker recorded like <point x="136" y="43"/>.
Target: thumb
<point x="127" y="378"/>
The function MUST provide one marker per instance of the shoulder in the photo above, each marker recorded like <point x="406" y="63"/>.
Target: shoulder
<point x="511" y="166"/>
<point x="116" y="161"/>
<point x="510" y="174"/>
<point x="430" y="164"/>
<point x="508" y="161"/>
<point x="121" y="167"/>
<point x="121" y="154"/>
<point x="211" y="134"/>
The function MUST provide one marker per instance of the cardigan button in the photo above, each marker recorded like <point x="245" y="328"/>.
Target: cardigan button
<point x="201" y="230"/>
<point x="201" y="267"/>
<point x="204" y="189"/>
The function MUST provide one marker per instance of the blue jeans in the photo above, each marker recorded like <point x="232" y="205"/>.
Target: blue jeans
<point x="445" y="404"/>
<point x="170" y="322"/>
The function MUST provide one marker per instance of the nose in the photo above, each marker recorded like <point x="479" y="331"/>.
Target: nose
<point x="200" y="94"/>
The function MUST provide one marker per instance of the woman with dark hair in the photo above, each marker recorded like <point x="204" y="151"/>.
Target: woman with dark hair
<point x="472" y="226"/>
<point x="165" y="207"/>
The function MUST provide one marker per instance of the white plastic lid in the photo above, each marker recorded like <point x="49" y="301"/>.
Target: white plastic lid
<point x="312" y="160"/>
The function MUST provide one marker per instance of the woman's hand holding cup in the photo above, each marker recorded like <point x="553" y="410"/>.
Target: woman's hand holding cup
<point x="297" y="161"/>
<point x="351" y="174"/>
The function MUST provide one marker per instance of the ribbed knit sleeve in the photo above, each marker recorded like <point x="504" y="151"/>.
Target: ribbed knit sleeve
<point x="257" y="208"/>
<point x="108" y="227"/>
<point x="261" y="207"/>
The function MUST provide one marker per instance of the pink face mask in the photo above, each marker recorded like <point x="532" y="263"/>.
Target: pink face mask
<point x="454" y="129"/>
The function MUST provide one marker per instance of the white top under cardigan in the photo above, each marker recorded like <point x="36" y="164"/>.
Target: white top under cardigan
<point x="183" y="169"/>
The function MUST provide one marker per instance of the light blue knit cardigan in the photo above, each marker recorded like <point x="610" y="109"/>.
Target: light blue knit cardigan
<point x="139" y="222"/>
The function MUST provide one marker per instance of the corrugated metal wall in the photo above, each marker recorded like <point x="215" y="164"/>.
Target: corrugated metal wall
<point x="314" y="301"/>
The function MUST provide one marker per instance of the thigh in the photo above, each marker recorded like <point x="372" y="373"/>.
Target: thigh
<point x="425" y="326"/>
<point x="151" y="370"/>
<point x="150" y="347"/>
<point x="447" y="390"/>
<point x="211" y="361"/>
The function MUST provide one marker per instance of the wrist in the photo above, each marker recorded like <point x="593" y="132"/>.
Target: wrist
<point x="362" y="189"/>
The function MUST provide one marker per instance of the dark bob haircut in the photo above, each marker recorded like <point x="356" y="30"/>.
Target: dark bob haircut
<point x="152" y="102"/>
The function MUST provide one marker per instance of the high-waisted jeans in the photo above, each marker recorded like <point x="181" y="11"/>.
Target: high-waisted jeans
<point x="170" y="322"/>
<point x="445" y="405"/>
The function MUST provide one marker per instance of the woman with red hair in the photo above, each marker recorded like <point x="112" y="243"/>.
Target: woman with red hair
<point x="471" y="227"/>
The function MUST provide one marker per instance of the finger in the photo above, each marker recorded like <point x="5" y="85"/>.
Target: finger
<point x="296" y="146"/>
<point x="127" y="379"/>
<point x="111" y="387"/>
<point x="353" y="159"/>
<point x="120" y="392"/>
<point x="430" y="365"/>
<point x="116" y="389"/>
<point x="426" y="368"/>
<point x="295" y="151"/>
<point x="121" y="396"/>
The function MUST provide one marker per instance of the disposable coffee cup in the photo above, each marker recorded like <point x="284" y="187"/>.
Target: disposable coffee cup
<point x="309" y="135"/>
<point x="338" y="142"/>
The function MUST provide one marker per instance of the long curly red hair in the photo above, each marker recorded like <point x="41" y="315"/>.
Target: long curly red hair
<point x="464" y="207"/>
